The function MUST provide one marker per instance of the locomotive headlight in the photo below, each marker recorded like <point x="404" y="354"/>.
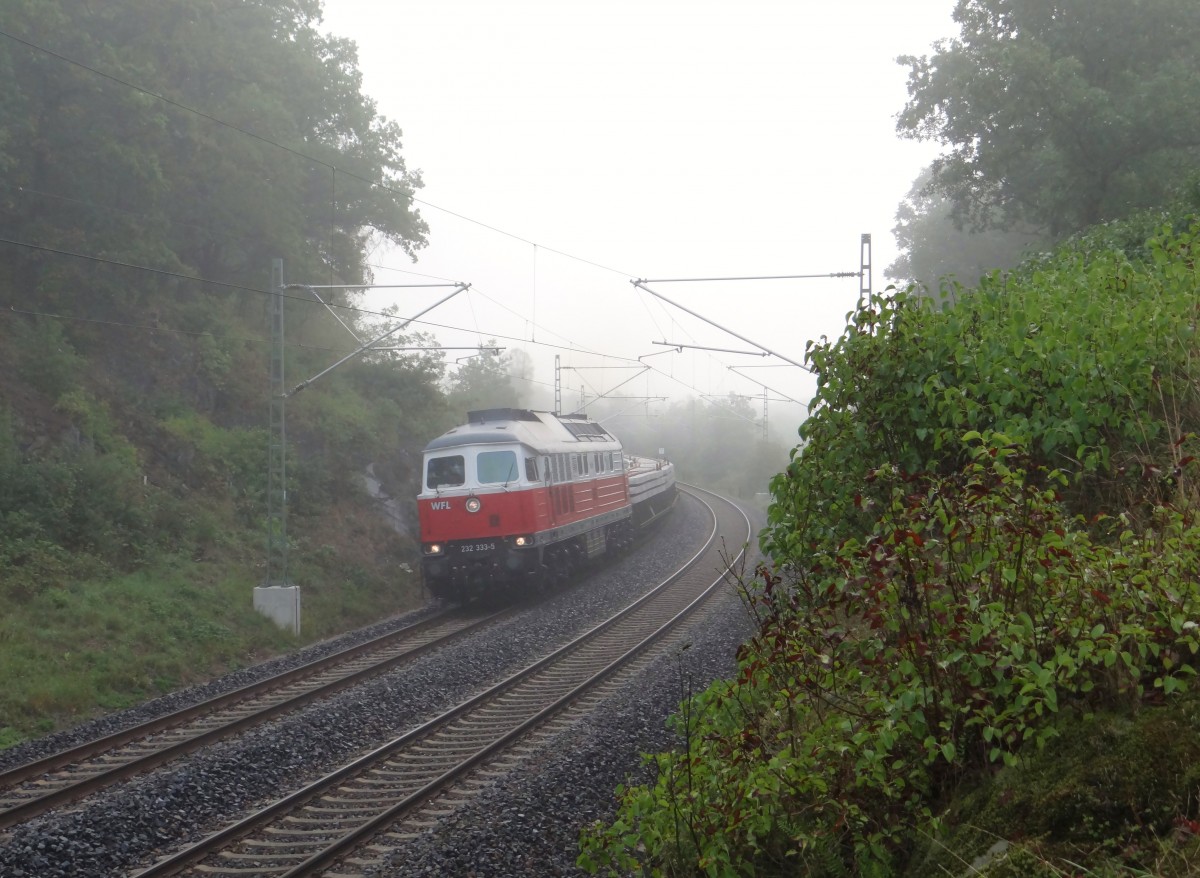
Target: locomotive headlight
<point x="522" y="541"/>
<point x="433" y="549"/>
<point x="473" y="504"/>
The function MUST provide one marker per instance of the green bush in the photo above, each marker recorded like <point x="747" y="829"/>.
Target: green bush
<point x="98" y="431"/>
<point x="991" y="524"/>
<point x="68" y="508"/>
<point x="1088" y="362"/>
<point x="233" y="460"/>
<point x="1113" y="789"/>
<point x="29" y="563"/>
<point x="45" y="358"/>
<point x="942" y="643"/>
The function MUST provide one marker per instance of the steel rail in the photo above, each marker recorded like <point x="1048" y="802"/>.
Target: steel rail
<point x="355" y="839"/>
<point x="290" y="859"/>
<point x="81" y="778"/>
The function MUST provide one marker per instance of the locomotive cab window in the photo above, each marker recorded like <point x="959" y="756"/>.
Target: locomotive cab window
<point x="497" y="467"/>
<point x="446" y="472"/>
<point x="531" y="469"/>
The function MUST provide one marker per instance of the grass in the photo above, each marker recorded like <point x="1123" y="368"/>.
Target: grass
<point x="73" y="652"/>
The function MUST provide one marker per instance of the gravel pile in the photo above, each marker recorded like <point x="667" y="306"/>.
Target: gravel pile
<point x="180" y="802"/>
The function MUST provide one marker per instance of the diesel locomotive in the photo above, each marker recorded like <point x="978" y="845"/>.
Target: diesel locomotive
<point x="514" y="500"/>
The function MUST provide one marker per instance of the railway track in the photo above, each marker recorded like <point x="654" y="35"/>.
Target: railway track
<point x="31" y="789"/>
<point x="310" y="830"/>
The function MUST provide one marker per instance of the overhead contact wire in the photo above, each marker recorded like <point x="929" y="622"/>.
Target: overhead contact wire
<point x="334" y="170"/>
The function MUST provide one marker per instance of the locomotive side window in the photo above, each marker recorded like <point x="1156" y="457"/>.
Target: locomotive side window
<point x="496" y="467"/>
<point x="531" y="469"/>
<point x="574" y="466"/>
<point x="446" y="472"/>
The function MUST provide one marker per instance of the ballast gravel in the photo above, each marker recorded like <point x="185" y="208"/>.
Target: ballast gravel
<point x="528" y="823"/>
<point x="541" y="805"/>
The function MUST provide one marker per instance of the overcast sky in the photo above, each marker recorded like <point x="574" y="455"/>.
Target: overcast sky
<point x="586" y="143"/>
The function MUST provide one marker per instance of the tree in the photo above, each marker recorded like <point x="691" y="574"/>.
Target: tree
<point x="303" y="167"/>
<point x="483" y="381"/>
<point x="934" y="247"/>
<point x="1059" y="113"/>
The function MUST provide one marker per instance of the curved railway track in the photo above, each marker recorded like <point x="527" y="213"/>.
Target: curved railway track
<point x="31" y="789"/>
<point x="308" y="831"/>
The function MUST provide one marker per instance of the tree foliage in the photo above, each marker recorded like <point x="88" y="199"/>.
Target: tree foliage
<point x="992" y="527"/>
<point x="942" y="643"/>
<point x="144" y="143"/>
<point x="282" y="156"/>
<point x="938" y="252"/>
<point x="483" y="380"/>
<point x="1059" y="114"/>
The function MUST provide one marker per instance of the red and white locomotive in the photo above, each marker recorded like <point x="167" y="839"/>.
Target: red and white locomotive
<point x="515" y="498"/>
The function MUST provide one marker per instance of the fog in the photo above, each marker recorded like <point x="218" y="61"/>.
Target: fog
<point x="568" y="148"/>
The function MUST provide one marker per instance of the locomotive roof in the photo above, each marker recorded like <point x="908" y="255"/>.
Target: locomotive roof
<point x="540" y="430"/>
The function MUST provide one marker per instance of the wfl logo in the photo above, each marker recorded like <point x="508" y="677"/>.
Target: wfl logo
<point x="440" y="504"/>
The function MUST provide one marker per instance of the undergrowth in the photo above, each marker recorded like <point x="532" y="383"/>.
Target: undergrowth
<point x="989" y="537"/>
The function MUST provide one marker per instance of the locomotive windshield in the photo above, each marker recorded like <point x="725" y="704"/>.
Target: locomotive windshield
<point x="446" y="472"/>
<point x="495" y="467"/>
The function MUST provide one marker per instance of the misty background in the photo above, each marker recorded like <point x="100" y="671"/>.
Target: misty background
<point x="568" y="148"/>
